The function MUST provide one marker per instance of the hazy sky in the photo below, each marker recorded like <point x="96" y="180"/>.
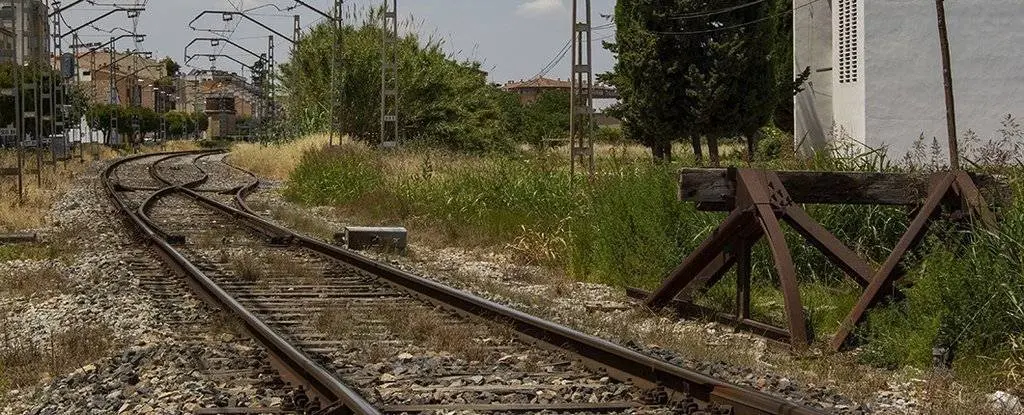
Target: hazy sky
<point x="514" y="39"/>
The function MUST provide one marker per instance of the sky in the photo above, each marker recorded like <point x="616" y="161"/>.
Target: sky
<point x="513" y="39"/>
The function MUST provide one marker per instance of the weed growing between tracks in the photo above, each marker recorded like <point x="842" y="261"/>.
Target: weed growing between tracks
<point x="266" y="269"/>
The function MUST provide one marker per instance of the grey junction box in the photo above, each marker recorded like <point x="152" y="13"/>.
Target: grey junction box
<point x="362" y="237"/>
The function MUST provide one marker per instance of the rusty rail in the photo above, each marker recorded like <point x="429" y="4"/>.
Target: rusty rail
<point x="296" y="366"/>
<point x="619" y="362"/>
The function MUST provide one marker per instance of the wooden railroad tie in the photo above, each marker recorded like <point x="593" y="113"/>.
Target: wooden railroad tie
<point x="759" y="201"/>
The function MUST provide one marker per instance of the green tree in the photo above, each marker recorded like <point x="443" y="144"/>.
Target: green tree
<point x="650" y="75"/>
<point x="692" y="68"/>
<point x="736" y="83"/>
<point x="442" y="101"/>
<point x="172" y="67"/>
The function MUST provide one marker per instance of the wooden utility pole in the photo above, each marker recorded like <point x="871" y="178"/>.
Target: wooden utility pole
<point x="947" y="78"/>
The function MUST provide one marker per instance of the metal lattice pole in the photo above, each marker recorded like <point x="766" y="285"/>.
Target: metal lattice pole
<point x="270" y="78"/>
<point x="114" y="95"/>
<point x="39" y="45"/>
<point x="296" y="32"/>
<point x="337" y="70"/>
<point x="581" y="115"/>
<point x="389" y="98"/>
<point x="56" y="122"/>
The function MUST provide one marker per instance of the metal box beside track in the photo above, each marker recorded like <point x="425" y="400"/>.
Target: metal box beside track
<point x="361" y="237"/>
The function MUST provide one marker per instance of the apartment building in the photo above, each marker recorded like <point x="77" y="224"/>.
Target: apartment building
<point x="24" y="30"/>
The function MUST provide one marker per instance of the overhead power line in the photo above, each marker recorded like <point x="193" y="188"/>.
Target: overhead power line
<point x="736" y="26"/>
<point x="714" y="12"/>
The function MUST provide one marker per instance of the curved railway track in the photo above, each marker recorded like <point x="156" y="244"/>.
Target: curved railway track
<point x="363" y="337"/>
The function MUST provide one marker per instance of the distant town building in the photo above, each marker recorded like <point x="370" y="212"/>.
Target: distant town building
<point x="876" y="77"/>
<point x="195" y="88"/>
<point x="24" y="30"/>
<point x="530" y="90"/>
<point x="134" y="77"/>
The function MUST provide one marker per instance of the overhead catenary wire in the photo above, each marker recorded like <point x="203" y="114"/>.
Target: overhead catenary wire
<point x="736" y="26"/>
<point x="695" y="15"/>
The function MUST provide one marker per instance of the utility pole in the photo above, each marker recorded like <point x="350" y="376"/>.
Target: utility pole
<point x="337" y="73"/>
<point x="581" y="114"/>
<point x="114" y="95"/>
<point x="296" y="33"/>
<point x="270" y="78"/>
<point x="947" y="80"/>
<point x="56" y="121"/>
<point x="75" y="42"/>
<point x="37" y="83"/>
<point x="389" y="98"/>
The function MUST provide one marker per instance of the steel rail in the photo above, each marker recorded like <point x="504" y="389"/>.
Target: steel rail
<point x="292" y="362"/>
<point x="619" y="362"/>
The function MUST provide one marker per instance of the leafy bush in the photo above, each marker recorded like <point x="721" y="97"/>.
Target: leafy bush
<point x="334" y="176"/>
<point x="963" y="291"/>
<point x="446" y="102"/>
<point x="609" y="135"/>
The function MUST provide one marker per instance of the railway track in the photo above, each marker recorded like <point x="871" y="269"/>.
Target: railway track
<point x="363" y="337"/>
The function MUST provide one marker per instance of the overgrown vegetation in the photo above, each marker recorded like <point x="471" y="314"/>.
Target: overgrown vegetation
<point x="445" y="101"/>
<point x="626" y="228"/>
<point x="685" y="73"/>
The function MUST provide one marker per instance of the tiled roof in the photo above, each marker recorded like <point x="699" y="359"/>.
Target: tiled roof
<point x="537" y="83"/>
<point x="546" y="83"/>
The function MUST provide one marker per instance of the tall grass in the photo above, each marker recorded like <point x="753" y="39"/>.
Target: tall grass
<point x="626" y="228"/>
<point x="39" y="192"/>
<point x="965" y="290"/>
<point x="274" y="161"/>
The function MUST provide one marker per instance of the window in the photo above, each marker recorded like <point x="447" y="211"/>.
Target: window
<point x="849" y="44"/>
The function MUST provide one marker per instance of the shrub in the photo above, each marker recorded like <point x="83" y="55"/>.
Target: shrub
<point x="962" y="292"/>
<point x="334" y="176"/>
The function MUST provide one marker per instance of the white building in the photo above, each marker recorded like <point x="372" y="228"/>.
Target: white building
<point x="876" y="70"/>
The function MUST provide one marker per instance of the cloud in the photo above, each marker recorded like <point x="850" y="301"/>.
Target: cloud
<point x="541" y="8"/>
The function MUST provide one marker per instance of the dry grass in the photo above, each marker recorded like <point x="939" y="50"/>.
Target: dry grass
<point x="26" y="282"/>
<point x="26" y="364"/>
<point x="274" y="161"/>
<point x="248" y="267"/>
<point x="337" y="321"/>
<point x="429" y="329"/>
<point x="176" y="145"/>
<point x="282" y="266"/>
<point x="223" y="322"/>
<point x="54" y="181"/>
<point x="297" y="219"/>
<point x="39" y="193"/>
<point x="294" y="269"/>
<point x="433" y="330"/>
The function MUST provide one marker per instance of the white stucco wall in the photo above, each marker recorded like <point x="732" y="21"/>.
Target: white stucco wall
<point x="905" y="96"/>
<point x="812" y="47"/>
<point x="899" y="96"/>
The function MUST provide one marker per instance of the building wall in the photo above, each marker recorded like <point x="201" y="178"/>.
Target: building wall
<point x="26" y="29"/>
<point x="898" y="94"/>
<point x="812" y="47"/>
<point x="905" y="89"/>
<point x="848" y="75"/>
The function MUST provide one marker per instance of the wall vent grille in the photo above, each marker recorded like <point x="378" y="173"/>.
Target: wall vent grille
<point x="849" y="43"/>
